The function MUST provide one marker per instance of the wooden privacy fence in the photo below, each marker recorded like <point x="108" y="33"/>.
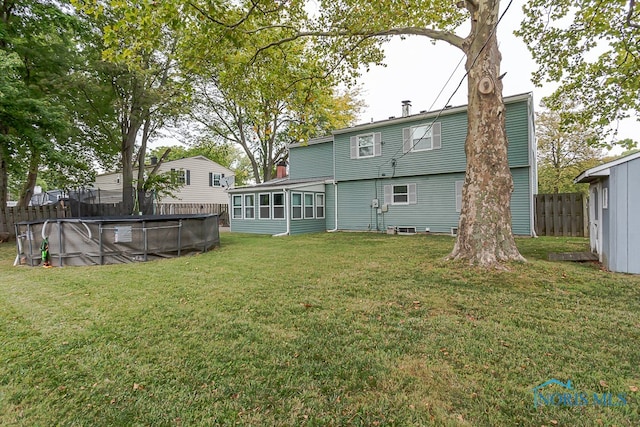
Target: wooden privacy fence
<point x="13" y="215"/>
<point x="194" y="208"/>
<point x="562" y="214"/>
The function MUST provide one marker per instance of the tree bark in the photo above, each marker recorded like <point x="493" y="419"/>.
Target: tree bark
<point x="3" y="185"/>
<point x="485" y="237"/>
<point x="32" y="176"/>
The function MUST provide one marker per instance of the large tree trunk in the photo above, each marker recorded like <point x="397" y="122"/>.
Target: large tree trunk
<point x="485" y="237"/>
<point x="30" y="183"/>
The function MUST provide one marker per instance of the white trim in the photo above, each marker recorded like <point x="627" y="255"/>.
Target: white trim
<point x="274" y="206"/>
<point x="604" y="169"/>
<point x="323" y="205"/>
<point x="233" y="207"/>
<point x="373" y="145"/>
<point x="253" y="195"/>
<point x="305" y="206"/>
<point x="260" y="206"/>
<point x="301" y="205"/>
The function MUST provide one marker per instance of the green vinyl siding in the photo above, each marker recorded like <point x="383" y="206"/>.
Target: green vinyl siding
<point x="308" y="226"/>
<point x="518" y="128"/>
<point x="258" y="226"/>
<point x="311" y="161"/>
<point x="330" y="207"/>
<point x="449" y="158"/>
<point x="521" y="200"/>
<point x="435" y="208"/>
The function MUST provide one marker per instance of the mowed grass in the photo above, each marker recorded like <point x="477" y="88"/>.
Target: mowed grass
<point x="325" y="329"/>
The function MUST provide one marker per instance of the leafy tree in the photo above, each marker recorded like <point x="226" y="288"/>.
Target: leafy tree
<point x="350" y="32"/>
<point x="38" y="51"/>
<point x="147" y="88"/>
<point x="592" y="48"/>
<point x="566" y="147"/>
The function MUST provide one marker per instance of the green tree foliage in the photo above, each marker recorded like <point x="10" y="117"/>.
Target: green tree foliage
<point x="38" y="45"/>
<point x="565" y="148"/>
<point x="592" y="48"/>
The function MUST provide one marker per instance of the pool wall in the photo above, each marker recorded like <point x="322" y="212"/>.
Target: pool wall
<point x="115" y="240"/>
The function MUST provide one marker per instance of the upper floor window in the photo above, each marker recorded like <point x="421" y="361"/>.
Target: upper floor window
<point x="181" y="176"/>
<point x="422" y="137"/>
<point x="215" y="179"/>
<point x="366" y="145"/>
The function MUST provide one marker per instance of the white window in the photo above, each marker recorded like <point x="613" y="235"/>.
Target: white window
<point x="215" y="179"/>
<point x="366" y="145"/>
<point x="422" y="137"/>
<point x="180" y="176"/>
<point x="265" y="206"/>
<point x="296" y="205"/>
<point x="308" y="205"/>
<point x="459" y="185"/>
<point x="403" y="194"/>
<point x="237" y="206"/>
<point x="249" y="206"/>
<point x="319" y="205"/>
<point x="278" y="205"/>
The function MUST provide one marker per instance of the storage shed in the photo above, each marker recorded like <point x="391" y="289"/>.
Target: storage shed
<point x="614" y="212"/>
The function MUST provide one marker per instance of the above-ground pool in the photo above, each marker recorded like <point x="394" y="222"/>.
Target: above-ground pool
<point x="114" y="240"/>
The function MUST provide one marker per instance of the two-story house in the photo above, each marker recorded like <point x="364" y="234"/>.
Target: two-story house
<point x="403" y="174"/>
<point x="203" y="181"/>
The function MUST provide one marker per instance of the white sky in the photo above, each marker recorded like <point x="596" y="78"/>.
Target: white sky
<point x="417" y="70"/>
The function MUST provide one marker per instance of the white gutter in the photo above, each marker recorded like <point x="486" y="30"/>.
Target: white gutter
<point x="286" y="214"/>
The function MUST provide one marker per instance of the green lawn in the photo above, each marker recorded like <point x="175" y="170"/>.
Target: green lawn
<point x="325" y="329"/>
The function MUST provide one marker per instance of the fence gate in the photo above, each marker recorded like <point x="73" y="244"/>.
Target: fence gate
<point x="561" y="214"/>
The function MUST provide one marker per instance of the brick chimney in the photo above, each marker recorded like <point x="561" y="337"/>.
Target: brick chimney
<point x="281" y="169"/>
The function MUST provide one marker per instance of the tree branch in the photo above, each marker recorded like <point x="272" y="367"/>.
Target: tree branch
<point x="632" y="4"/>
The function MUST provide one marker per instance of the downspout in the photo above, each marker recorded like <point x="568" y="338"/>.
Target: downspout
<point x="286" y="214"/>
<point x="533" y="170"/>
<point x="335" y="189"/>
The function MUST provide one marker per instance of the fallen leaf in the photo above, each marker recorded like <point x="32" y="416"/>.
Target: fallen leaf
<point x="554" y="422"/>
<point x="137" y="386"/>
<point x="604" y="384"/>
<point x="633" y="388"/>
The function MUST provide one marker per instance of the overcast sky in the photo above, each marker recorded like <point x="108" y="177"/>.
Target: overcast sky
<point x="417" y="70"/>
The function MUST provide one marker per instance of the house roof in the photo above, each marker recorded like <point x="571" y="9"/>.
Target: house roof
<point x="283" y="183"/>
<point x="169" y="162"/>
<point x="397" y="120"/>
<point x="604" y="169"/>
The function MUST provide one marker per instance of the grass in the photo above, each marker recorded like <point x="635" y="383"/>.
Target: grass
<point x="323" y="329"/>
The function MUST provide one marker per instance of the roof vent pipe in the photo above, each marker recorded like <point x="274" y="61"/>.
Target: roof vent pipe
<point x="406" y="108"/>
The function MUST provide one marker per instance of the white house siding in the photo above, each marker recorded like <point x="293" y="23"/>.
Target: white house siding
<point x="198" y="189"/>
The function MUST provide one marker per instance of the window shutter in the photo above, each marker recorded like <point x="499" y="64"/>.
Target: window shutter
<point x="188" y="177"/>
<point x="377" y="144"/>
<point x="210" y="179"/>
<point x="406" y="140"/>
<point x="413" y="194"/>
<point x="388" y="194"/>
<point x="459" y="185"/>
<point x="436" y="136"/>
<point x="354" y="147"/>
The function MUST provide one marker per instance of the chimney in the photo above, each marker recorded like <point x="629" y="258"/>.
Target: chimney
<point x="281" y="169"/>
<point x="406" y="108"/>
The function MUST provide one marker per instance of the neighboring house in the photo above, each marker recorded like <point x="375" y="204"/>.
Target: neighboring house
<point x="205" y="181"/>
<point x="403" y="174"/>
<point x="614" y="203"/>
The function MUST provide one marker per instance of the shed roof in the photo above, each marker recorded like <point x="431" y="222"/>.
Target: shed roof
<point x="604" y="169"/>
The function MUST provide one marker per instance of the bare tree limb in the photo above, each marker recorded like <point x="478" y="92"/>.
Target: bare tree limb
<point x="632" y="4"/>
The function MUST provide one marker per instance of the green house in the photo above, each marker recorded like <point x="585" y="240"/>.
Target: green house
<point x="403" y="175"/>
